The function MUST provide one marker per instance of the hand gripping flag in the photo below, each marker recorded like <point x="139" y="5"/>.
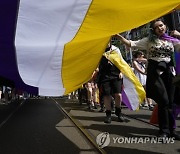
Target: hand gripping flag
<point x="55" y="45"/>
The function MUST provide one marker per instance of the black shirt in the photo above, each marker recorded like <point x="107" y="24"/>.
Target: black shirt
<point x="107" y="70"/>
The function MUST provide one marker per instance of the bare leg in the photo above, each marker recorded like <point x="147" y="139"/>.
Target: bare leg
<point x="118" y="100"/>
<point x="107" y="102"/>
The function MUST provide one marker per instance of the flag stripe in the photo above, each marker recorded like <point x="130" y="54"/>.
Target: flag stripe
<point x="177" y="57"/>
<point x="125" y="100"/>
<point x="133" y="97"/>
<point x="8" y="69"/>
<point x="59" y="44"/>
<point x="42" y="30"/>
<point x="104" y="19"/>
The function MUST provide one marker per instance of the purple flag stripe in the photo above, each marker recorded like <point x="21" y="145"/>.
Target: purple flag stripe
<point x="177" y="57"/>
<point x="126" y="100"/>
<point x="8" y="69"/>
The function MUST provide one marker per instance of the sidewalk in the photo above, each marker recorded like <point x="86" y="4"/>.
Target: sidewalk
<point x="93" y="123"/>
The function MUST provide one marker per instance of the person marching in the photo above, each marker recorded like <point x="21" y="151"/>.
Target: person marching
<point x="111" y="80"/>
<point x="160" y="72"/>
<point x="139" y="65"/>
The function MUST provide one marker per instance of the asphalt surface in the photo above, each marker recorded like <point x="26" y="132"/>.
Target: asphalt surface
<point x="136" y="126"/>
<point x="40" y="126"/>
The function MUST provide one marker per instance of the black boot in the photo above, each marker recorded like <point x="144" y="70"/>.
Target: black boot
<point x="102" y="107"/>
<point x="175" y="135"/>
<point x="108" y="117"/>
<point x="119" y="114"/>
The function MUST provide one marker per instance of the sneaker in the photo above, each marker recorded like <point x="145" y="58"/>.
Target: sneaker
<point x="175" y="135"/>
<point x="119" y="114"/>
<point x="113" y="111"/>
<point x="145" y="105"/>
<point x="121" y="118"/>
<point x="101" y="110"/>
<point x="90" y="108"/>
<point x="107" y="119"/>
<point x="140" y="106"/>
<point x="95" y="107"/>
<point x="151" y="107"/>
<point x="163" y="135"/>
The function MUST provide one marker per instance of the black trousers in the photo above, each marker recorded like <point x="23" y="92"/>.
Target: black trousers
<point x="165" y="110"/>
<point x="161" y="89"/>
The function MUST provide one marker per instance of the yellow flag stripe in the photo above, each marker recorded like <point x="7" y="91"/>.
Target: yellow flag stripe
<point x="103" y="19"/>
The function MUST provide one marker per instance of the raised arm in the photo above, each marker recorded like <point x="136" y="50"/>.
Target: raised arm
<point x="177" y="43"/>
<point x="136" y="66"/>
<point x="141" y="44"/>
<point x="123" y="40"/>
<point x="175" y="33"/>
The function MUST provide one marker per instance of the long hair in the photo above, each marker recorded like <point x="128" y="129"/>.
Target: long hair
<point x="152" y="35"/>
<point x="137" y="53"/>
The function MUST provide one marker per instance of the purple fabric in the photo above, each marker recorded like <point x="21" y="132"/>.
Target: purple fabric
<point x="8" y="65"/>
<point x="177" y="55"/>
<point x="126" y="100"/>
<point x="176" y="109"/>
<point x="176" y="112"/>
<point x="177" y="58"/>
<point x="169" y="38"/>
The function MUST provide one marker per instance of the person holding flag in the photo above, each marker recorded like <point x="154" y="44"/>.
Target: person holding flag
<point x="110" y="78"/>
<point x="160" y="72"/>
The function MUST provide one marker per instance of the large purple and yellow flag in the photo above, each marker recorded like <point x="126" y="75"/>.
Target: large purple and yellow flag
<point x="55" y="45"/>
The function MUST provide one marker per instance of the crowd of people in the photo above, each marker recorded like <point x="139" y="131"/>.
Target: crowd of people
<point x="9" y="94"/>
<point x="156" y="73"/>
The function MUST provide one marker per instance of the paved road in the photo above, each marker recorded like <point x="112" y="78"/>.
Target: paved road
<point x="39" y="127"/>
<point x="93" y="123"/>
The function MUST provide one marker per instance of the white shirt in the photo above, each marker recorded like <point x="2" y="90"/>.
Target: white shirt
<point x="161" y="50"/>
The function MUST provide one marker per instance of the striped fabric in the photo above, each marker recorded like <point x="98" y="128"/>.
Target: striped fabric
<point x="53" y="46"/>
<point x="133" y="92"/>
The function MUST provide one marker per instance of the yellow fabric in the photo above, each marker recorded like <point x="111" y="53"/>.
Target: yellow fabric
<point x="104" y="19"/>
<point x="119" y="62"/>
<point x="178" y="7"/>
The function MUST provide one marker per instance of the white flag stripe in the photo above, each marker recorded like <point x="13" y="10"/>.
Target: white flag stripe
<point x="131" y="92"/>
<point x="41" y="33"/>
